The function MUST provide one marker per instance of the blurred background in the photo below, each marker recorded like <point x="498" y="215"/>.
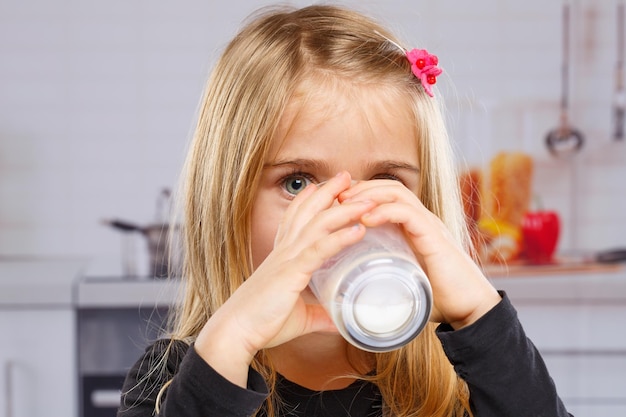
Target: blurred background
<point x="97" y="105"/>
<point x="98" y="100"/>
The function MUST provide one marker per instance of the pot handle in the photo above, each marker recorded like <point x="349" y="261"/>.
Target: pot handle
<point x="122" y="225"/>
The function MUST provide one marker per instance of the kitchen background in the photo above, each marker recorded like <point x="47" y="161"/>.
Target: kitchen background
<point x="97" y="105"/>
<point x="98" y="98"/>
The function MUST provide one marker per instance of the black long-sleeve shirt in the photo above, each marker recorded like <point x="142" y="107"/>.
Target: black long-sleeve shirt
<point x="504" y="371"/>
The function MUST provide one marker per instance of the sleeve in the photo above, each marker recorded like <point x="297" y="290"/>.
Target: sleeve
<point x="196" y="389"/>
<point x="503" y="369"/>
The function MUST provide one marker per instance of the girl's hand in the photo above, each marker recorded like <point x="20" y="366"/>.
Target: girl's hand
<point x="268" y="308"/>
<point x="461" y="292"/>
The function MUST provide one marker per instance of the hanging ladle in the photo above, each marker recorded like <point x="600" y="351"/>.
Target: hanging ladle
<point x="565" y="139"/>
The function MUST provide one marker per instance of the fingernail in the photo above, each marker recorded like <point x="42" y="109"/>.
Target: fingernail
<point x="368" y="217"/>
<point x="357" y="227"/>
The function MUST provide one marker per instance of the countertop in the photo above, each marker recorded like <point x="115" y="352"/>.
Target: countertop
<point x="523" y="284"/>
<point x="61" y="282"/>
<point x="111" y="292"/>
<point x="569" y="283"/>
<point x="37" y="282"/>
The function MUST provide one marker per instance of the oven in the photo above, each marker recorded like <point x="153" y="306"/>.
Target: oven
<point x="116" y="320"/>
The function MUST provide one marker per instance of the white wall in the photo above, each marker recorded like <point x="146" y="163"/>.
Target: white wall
<point x="97" y="100"/>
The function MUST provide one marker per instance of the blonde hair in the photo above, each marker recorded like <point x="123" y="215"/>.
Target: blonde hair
<point x="245" y="97"/>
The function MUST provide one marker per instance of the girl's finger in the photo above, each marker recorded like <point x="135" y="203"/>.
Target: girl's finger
<point x="332" y="219"/>
<point x="311" y="201"/>
<point x="381" y="188"/>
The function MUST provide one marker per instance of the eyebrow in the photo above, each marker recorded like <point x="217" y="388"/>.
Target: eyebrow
<point x="300" y="162"/>
<point x="392" y="165"/>
<point x="384" y="165"/>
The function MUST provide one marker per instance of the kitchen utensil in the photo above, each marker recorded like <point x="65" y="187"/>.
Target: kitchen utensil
<point x="619" y="98"/>
<point x="162" y="239"/>
<point x="565" y="140"/>
<point x="611" y="255"/>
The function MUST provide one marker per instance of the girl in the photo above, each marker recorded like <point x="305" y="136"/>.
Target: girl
<point x="300" y="98"/>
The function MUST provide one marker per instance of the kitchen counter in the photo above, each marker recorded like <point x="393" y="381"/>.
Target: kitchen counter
<point x="601" y="282"/>
<point x="116" y="292"/>
<point x="570" y="284"/>
<point x="38" y="281"/>
<point x="58" y="281"/>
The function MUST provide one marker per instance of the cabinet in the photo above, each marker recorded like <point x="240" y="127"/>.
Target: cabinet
<point x="37" y="338"/>
<point x="576" y="322"/>
<point x="37" y="356"/>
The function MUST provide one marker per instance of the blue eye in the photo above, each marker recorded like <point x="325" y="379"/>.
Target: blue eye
<point x="295" y="183"/>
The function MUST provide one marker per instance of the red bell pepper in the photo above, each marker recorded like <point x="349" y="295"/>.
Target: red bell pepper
<point x="540" y="233"/>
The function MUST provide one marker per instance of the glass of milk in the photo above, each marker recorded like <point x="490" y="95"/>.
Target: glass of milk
<point x="375" y="291"/>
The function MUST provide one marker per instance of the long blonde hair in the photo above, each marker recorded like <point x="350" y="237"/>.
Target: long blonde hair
<point x="244" y="100"/>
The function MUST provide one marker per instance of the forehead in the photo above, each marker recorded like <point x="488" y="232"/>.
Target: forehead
<point x="344" y="115"/>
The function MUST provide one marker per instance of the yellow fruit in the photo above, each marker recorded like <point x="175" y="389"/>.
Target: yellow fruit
<point x="501" y="240"/>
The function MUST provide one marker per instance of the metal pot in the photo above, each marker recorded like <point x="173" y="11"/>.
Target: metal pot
<point x="163" y="246"/>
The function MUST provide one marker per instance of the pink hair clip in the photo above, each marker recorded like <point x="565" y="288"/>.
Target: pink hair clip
<point x="424" y="66"/>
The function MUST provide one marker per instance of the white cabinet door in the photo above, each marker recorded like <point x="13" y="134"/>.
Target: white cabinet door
<point x="585" y="351"/>
<point x="37" y="360"/>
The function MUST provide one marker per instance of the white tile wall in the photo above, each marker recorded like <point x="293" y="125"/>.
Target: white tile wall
<point x="97" y="100"/>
